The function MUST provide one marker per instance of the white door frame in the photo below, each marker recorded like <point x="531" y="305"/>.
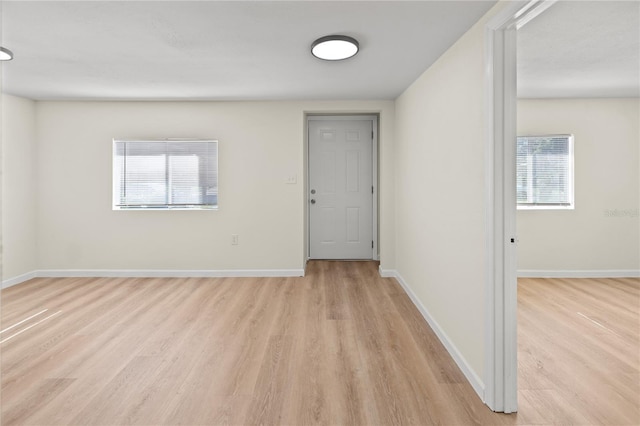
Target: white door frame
<point x="374" y="168"/>
<point x="500" y="349"/>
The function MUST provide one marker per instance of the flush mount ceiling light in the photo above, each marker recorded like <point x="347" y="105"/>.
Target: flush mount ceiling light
<point x="5" y="54"/>
<point x="335" y="47"/>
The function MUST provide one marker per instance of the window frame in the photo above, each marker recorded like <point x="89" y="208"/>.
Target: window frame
<point x="115" y="206"/>
<point x="570" y="176"/>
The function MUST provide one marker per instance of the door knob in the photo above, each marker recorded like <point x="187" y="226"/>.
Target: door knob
<point x="313" y="201"/>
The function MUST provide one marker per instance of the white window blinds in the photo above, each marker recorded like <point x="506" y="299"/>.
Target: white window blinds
<point x="544" y="171"/>
<point x="165" y="174"/>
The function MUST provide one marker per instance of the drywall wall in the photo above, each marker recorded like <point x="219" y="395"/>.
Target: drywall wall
<point x="260" y="145"/>
<point x="18" y="186"/>
<point x="440" y="195"/>
<point x="603" y="232"/>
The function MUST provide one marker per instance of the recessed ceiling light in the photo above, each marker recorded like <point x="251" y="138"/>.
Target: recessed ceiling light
<point x="335" y="47"/>
<point x="5" y="54"/>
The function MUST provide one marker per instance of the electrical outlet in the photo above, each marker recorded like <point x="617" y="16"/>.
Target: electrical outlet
<point x="234" y="239"/>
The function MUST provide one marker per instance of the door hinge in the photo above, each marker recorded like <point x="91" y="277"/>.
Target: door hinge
<point x="372" y="189"/>
<point x="371" y="243"/>
<point x="372" y="135"/>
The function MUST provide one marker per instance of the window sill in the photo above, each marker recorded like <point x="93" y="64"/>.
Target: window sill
<point x="545" y="207"/>
<point x="163" y="209"/>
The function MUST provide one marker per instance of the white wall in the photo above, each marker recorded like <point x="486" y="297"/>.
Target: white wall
<point x="603" y="232"/>
<point x="261" y="143"/>
<point x="440" y="195"/>
<point x="18" y="186"/>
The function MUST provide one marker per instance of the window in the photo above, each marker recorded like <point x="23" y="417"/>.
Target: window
<point x="544" y="172"/>
<point x="165" y="174"/>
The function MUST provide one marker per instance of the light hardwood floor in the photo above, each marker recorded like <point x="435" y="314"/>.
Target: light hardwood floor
<point x="579" y="351"/>
<point x="341" y="346"/>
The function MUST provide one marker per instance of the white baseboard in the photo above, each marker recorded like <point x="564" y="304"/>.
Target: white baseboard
<point x="599" y="273"/>
<point x="19" y="279"/>
<point x="171" y="273"/>
<point x="151" y="273"/>
<point x="471" y="376"/>
<point x="387" y="273"/>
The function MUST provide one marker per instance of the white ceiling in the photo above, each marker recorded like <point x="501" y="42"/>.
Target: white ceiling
<point x="581" y="49"/>
<point x="258" y="50"/>
<point x="213" y="50"/>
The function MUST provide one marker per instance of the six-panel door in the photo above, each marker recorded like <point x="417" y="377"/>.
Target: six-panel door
<point x="341" y="189"/>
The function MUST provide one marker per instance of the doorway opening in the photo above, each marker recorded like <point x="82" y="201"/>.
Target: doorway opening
<point x="500" y="349"/>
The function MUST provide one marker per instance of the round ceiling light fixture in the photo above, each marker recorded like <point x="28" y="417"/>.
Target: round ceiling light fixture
<point x="335" y="47"/>
<point x="5" y="54"/>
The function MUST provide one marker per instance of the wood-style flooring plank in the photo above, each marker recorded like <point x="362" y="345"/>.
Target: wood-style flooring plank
<point x="340" y="346"/>
<point x="579" y="347"/>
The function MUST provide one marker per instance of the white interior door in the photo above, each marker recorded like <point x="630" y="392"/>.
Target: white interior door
<point x="341" y="188"/>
